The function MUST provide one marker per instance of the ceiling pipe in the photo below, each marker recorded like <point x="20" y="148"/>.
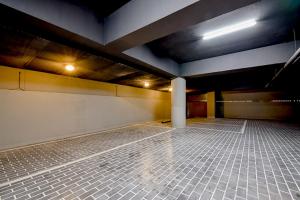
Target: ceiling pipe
<point x="291" y="61"/>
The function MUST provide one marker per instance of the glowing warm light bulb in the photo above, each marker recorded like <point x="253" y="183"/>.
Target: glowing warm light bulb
<point x="170" y="89"/>
<point x="70" y="68"/>
<point x="146" y="84"/>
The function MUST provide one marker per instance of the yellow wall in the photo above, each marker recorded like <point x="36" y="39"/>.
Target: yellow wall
<point x="255" y="105"/>
<point x="9" y="78"/>
<point x="211" y="105"/>
<point x="37" y="106"/>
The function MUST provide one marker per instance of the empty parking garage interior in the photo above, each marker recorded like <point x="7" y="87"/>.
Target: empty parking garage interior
<point x="150" y="99"/>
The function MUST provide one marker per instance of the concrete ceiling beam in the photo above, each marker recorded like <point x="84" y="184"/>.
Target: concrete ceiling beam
<point x="275" y="54"/>
<point x="141" y="21"/>
<point x="62" y="14"/>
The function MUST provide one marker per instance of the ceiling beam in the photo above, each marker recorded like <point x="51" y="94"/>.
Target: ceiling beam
<point x="126" y="30"/>
<point x="70" y="17"/>
<point x="145" y="55"/>
<point x="63" y="26"/>
<point x="269" y="55"/>
<point x="141" y="21"/>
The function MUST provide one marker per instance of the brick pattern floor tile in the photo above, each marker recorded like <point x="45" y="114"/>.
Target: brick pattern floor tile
<point x="24" y="161"/>
<point x="263" y="162"/>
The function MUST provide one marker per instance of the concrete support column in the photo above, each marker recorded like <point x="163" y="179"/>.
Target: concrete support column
<point x="178" y="103"/>
<point x="211" y="104"/>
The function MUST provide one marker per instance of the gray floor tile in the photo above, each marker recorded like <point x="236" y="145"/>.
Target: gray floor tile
<point x="212" y="161"/>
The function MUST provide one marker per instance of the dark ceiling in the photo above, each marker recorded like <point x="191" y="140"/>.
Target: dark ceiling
<point x="276" y="21"/>
<point x="32" y="47"/>
<point x="101" y="8"/>
<point x="23" y="50"/>
<point x="249" y="79"/>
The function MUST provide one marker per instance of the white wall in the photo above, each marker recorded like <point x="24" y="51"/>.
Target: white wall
<point x="42" y="106"/>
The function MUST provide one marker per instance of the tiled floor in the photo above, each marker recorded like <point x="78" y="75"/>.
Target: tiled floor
<point x="210" y="159"/>
<point x="21" y="162"/>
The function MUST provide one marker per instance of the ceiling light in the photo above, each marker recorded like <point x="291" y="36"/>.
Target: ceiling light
<point x="229" y="29"/>
<point x="70" y="68"/>
<point x="146" y="84"/>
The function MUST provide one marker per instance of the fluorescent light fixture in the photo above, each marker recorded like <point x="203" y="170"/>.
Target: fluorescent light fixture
<point x="70" y="68"/>
<point x="229" y="29"/>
